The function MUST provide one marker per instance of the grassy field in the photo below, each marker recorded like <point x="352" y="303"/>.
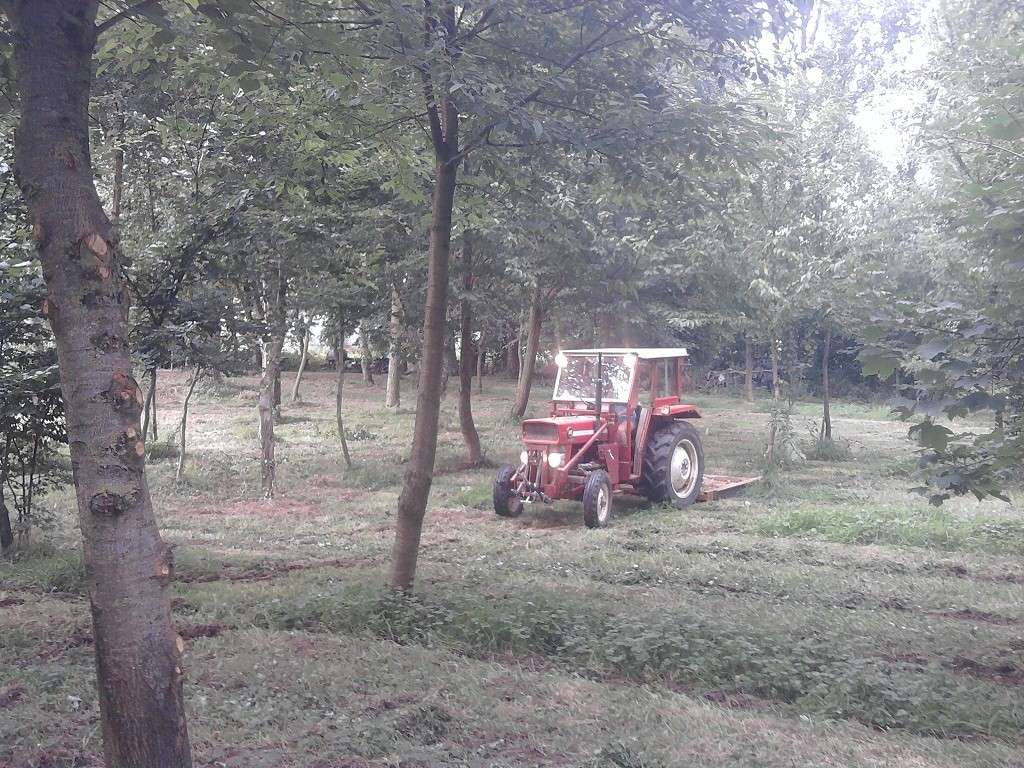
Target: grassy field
<point x="826" y="618"/>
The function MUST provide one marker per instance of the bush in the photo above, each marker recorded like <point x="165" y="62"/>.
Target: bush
<point x="828" y="449"/>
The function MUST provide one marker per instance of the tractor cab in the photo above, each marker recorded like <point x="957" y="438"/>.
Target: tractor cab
<point x="618" y="422"/>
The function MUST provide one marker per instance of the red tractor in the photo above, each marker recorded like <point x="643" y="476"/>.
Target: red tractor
<point x="617" y="423"/>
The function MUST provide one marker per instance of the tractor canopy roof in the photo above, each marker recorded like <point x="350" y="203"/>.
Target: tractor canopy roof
<point x="644" y="353"/>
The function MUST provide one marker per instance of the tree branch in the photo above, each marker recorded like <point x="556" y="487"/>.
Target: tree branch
<point x="127" y="13"/>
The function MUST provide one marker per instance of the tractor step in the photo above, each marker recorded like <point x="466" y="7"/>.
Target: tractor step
<point x="716" y="486"/>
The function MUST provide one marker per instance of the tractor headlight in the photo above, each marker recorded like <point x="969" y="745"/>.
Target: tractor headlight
<point x="555" y="459"/>
<point x="524" y="457"/>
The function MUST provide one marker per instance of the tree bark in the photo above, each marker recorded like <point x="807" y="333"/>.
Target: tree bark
<point x="269" y="383"/>
<point x="529" y="361"/>
<point x="393" y="393"/>
<point x="364" y="359"/>
<point x="512" y="357"/>
<point x="776" y="397"/>
<point x="444" y="121"/>
<point x="826" y="404"/>
<point x="128" y="567"/>
<point x="480" y="364"/>
<point x="149" y="410"/>
<point x="303" y="358"/>
<point x="466" y="358"/>
<point x="6" y="531"/>
<point x="339" y="356"/>
<point x="179" y="472"/>
<point x="748" y="380"/>
<point x="118" y="190"/>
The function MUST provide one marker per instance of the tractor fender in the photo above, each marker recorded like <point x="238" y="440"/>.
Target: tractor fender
<point x="673" y="412"/>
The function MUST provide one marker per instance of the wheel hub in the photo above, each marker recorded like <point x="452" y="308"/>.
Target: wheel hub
<point x="683" y="469"/>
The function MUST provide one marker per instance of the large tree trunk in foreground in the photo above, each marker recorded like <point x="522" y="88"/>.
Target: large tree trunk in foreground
<point x="412" y="504"/>
<point x="303" y="359"/>
<point x="529" y="361"/>
<point x="748" y="379"/>
<point x="339" y="357"/>
<point x="393" y="393"/>
<point x="364" y="359"/>
<point x="466" y="358"/>
<point x="179" y="472"/>
<point x="128" y="567"/>
<point x="269" y="385"/>
<point x="826" y="397"/>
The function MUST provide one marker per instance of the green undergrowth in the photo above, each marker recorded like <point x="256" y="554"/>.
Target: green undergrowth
<point x="814" y="673"/>
<point x="934" y="528"/>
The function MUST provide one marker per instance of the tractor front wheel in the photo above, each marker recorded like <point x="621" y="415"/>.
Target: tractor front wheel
<point x="506" y="503"/>
<point x="673" y="465"/>
<point x="597" y="499"/>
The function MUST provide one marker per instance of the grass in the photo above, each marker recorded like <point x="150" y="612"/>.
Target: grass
<point x="829" y="618"/>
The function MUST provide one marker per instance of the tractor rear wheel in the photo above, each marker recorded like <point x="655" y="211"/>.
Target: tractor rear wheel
<point x="673" y="466"/>
<point x="506" y="503"/>
<point x="597" y="499"/>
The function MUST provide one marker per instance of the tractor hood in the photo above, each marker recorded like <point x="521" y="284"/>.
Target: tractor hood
<point x="558" y="430"/>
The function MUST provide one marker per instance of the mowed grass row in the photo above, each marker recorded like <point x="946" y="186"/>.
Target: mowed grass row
<point x="901" y="621"/>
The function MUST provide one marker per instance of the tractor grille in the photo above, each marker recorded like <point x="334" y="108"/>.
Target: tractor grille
<point x="547" y="433"/>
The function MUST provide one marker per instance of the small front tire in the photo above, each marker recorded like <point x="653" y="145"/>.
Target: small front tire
<point x="597" y="499"/>
<point x="506" y="503"/>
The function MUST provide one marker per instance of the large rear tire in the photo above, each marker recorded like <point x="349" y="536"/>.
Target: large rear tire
<point x="506" y="504"/>
<point x="597" y="499"/>
<point x="673" y="468"/>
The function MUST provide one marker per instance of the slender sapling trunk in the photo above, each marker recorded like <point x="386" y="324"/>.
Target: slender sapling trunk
<point x="466" y="362"/>
<point x="826" y="404"/>
<point x="339" y="356"/>
<point x="303" y="359"/>
<point x="748" y="378"/>
<point x="364" y="359"/>
<point x="179" y="472"/>
<point x="530" y="357"/>
<point x="393" y="394"/>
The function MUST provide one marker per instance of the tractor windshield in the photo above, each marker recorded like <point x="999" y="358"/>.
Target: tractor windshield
<point x="577" y="378"/>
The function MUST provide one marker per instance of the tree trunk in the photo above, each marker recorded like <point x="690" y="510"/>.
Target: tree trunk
<point x="748" y="381"/>
<point x="118" y="190"/>
<point x="512" y="356"/>
<point x="480" y="364"/>
<point x="826" y="405"/>
<point x="339" y="356"/>
<point x="364" y="359"/>
<point x="303" y="358"/>
<point x="412" y="503"/>
<point x="179" y="473"/>
<point x="466" y="361"/>
<point x="268" y="387"/>
<point x="6" y="531"/>
<point x="393" y="393"/>
<point x="530" y="358"/>
<point x="128" y="567"/>
<point x="776" y="397"/>
<point x="149" y="410"/>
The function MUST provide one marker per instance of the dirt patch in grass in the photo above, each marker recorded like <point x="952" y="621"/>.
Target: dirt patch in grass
<point x="984" y="617"/>
<point x="272" y="570"/>
<point x="11" y="694"/>
<point x="261" y="508"/>
<point x="1002" y="673"/>
<point x="193" y="631"/>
